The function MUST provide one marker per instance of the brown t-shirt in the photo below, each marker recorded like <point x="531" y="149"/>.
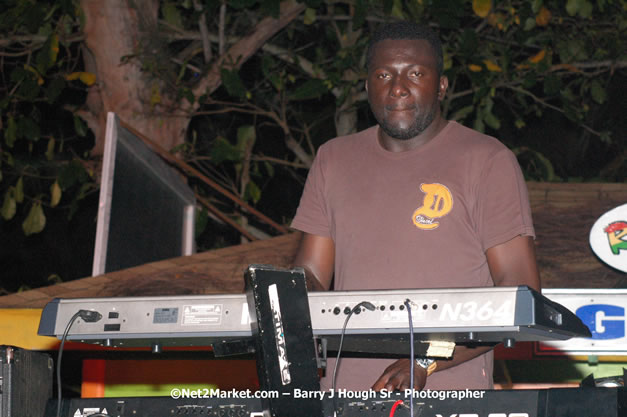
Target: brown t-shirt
<point x="416" y="219"/>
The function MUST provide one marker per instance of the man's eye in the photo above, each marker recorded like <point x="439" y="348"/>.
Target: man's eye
<point x="416" y="74"/>
<point x="382" y="76"/>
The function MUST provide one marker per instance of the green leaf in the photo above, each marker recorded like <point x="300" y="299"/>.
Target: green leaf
<point x="535" y="5"/>
<point x="55" y="279"/>
<point x="252" y="192"/>
<point x="585" y="10"/>
<point x="606" y="137"/>
<point x="530" y="23"/>
<point x="19" y="190"/>
<point x="577" y="49"/>
<point x="80" y="126"/>
<point x="492" y="120"/>
<point x="172" y="15"/>
<point x="47" y="55"/>
<point x="222" y="150"/>
<point x="462" y="113"/>
<point x="72" y="174"/>
<point x="267" y="63"/>
<point x="35" y="220"/>
<point x="10" y="133"/>
<point x="245" y="134"/>
<point x="539" y="167"/>
<point x="202" y="219"/>
<point x="29" y="89"/>
<point x="598" y="92"/>
<point x="310" y="16"/>
<point x="397" y="9"/>
<point x="81" y="194"/>
<point x="233" y="83"/>
<point x="9" y="206"/>
<point x="277" y="81"/>
<point x="54" y="89"/>
<point x="572" y="6"/>
<point x="28" y="128"/>
<point x="50" y="149"/>
<point x="312" y="88"/>
<point x="269" y="168"/>
<point x="479" y="125"/>
<point x="10" y="159"/>
<point x="568" y="94"/>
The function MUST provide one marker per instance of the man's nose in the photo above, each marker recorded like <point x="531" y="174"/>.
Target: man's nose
<point x="398" y="88"/>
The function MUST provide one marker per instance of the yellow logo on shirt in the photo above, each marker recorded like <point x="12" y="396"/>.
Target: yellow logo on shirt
<point x="438" y="202"/>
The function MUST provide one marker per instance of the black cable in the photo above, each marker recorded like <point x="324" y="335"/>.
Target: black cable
<point x="411" y="358"/>
<point x="87" y="316"/>
<point x="370" y="307"/>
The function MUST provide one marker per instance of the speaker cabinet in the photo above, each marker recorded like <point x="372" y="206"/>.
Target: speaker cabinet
<point x="25" y="382"/>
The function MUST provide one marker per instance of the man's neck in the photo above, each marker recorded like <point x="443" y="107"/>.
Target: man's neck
<point x="399" y="145"/>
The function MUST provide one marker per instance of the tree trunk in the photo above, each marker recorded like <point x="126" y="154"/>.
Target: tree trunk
<point x="113" y="30"/>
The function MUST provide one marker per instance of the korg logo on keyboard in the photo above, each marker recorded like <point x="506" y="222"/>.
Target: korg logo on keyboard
<point x="605" y="321"/>
<point x="489" y="415"/>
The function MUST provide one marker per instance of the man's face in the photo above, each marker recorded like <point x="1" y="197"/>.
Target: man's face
<point x="404" y="87"/>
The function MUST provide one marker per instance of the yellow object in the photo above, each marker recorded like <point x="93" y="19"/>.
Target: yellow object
<point x="431" y="369"/>
<point x="18" y="327"/>
<point x="475" y="68"/>
<point x="538" y="57"/>
<point x="491" y="66"/>
<point x="543" y="18"/>
<point x="481" y="7"/>
<point x="86" y="78"/>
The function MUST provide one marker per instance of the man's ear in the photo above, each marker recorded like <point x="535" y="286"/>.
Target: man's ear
<point x="442" y="87"/>
<point x="366" y="86"/>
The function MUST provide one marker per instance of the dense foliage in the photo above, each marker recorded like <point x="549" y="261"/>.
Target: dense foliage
<point x="545" y="76"/>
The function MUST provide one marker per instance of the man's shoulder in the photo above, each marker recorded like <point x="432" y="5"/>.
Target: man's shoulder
<point x="474" y="141"/>
<point x="349" y="141"/>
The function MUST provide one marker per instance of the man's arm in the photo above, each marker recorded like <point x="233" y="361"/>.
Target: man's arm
<point x="514" y="263"/>
<point x="511" y="263"/>
<point x="316" y="254"/>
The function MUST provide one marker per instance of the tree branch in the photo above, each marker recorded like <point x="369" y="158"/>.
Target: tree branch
<point x="548" y="105"/>
<point x="193" y="171"/>
<point x="221" y="25"/>
<point x="204" y="33"/>
<point x="247" y="46"/>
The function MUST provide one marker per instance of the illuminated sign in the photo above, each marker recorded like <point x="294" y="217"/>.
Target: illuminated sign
<point x="608" y="238"/>
<point x="604" y="311"/>
<point x="604" y="321"/>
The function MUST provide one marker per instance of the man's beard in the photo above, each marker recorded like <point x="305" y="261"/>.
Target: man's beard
<point x="419" y="125"/>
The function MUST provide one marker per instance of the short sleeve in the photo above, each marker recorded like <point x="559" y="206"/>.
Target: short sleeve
<point x="503" y="203"/>
<point x="311" y="215"/>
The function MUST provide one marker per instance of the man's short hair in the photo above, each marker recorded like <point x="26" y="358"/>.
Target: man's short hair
<point x="407" y="31"/>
